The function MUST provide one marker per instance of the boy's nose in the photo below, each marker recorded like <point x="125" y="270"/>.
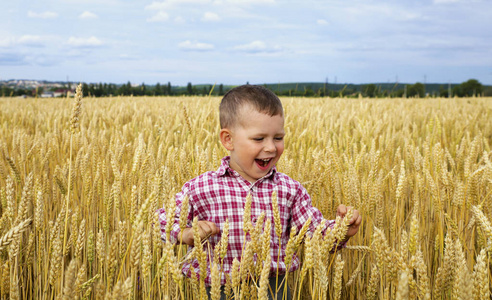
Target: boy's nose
<point x="270" y="146"/>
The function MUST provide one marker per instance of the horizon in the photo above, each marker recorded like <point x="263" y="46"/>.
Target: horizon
<point x="253" y="83"/>
<point x="256" y="41"/>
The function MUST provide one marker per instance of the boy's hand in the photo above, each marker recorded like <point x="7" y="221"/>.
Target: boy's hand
<point x="205" y="228"/>
<point x="354" y="222"/>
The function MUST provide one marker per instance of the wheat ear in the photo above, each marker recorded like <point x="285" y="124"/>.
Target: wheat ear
<point x="14" y="233"/>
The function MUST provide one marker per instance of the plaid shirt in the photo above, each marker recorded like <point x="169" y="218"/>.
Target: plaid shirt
<point x="219" y="195"/>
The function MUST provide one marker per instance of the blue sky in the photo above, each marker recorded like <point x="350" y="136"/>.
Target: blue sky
<point x="232" y="42"/>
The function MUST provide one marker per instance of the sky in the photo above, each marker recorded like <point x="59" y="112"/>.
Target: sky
<point x="239" y="41"/>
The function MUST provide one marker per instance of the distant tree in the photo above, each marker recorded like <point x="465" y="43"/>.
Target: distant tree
<point x="6" y="91"/>
<point x="91" y="90"/>
<point x="157" y="90"/>
<point x="169" y="89"/>
<point x="39" y="91"/>
<point x="221" y="89"/>
<point x="143" y="89"/>
<point x="370" y="90"/>
<point x="471" y="87"/>
<point x="189" y="89"/>
<point x="443" y="92"/>
<point x="85" y="89"/>
<point x="111" y="89"/>
<point x="416" y="90"/>
<point x="129" y="88"/>
<point x="398" y="93"/>
<point x="308" y="92"/>
<point x="457" y="92"/>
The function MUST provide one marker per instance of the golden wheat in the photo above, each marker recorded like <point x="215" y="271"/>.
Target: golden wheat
<point x="92" y="177"/>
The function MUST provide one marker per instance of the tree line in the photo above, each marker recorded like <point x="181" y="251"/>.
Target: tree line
<point x="466" y="89"/>
<point x="469" y="88"/>
<point x="128" y="89"/>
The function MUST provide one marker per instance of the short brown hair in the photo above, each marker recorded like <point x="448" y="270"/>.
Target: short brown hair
<point x="260" y="98"/>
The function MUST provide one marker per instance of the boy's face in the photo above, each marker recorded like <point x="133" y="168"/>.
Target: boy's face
<point x="255" y="142"/>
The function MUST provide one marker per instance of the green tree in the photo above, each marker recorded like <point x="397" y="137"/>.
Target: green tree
<point x="416" y="90"/>
<point x="457" y="92"/>
<point x="189" y="89"/>
<point x="370" y="90"/>
<point x="443" y="92"/>
<point x="221" y="89"/>
<point x="308" y="92"/>
<point x="143" y="89"/>
<point x="98" y="90"/>
<point x="85" y="89"/>
<point x="471" y="87"/>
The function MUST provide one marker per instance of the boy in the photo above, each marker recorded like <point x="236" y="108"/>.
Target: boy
<point x="252" y="130"/>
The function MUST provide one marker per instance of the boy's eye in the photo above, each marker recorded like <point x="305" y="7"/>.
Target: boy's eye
<point x="279" y="138"/>
<point x="258" y="139"/>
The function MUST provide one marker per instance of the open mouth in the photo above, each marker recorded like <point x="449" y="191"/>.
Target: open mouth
<point x="263" y="163"/>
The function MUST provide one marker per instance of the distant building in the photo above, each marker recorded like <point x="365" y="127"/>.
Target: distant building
<point x="47" y="95"/>
<point x="57" y="93"/>
<point x="63" y="92"/>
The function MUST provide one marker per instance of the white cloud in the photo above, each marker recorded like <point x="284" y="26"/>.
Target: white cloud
<point x="42" y="15"/>
<point x="168" y="4"/>
<point x="242" y="2"/>
<point x="210" y="17"/>
<point x="85" y="42"/>
<point x="5" y="43"/>
<point x="179" y="20"/>
<point x="257" y="47"/>
<point x="25" y="40"/>
<point x="160" y="16"/>
<point x="125" y="56"/>
<point x="31" y="40"/>
<point x="195" y="46"/>
<point x="446" y="1"/>
<point x="88" y="15"/>
<point x="322" y="22"/>
<point x="252" y="47"/>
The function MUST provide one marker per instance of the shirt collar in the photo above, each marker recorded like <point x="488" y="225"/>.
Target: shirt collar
<point x="225" y="168"/>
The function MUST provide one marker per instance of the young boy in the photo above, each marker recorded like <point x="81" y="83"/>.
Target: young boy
<point x="252" y="130"/>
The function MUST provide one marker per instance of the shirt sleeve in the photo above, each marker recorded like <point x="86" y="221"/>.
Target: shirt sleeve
<point x="175" y="229"/>
<point x="303" y="209"/>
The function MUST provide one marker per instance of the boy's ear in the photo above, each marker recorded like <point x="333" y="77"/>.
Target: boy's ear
<point x="226" y="139"/>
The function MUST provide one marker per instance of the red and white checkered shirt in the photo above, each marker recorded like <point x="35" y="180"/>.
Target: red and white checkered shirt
<point x="217" y="196"/>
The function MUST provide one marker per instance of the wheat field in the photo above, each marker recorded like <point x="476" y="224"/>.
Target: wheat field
<point x="81" y="180"/>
